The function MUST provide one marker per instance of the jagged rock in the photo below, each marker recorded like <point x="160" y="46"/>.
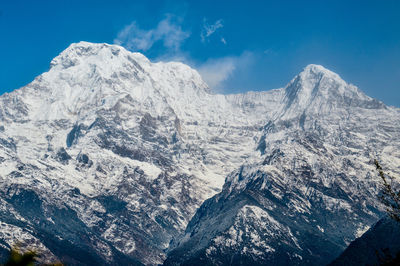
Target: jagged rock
<point x="313" y="189"/>
<point x="151" y="143"/>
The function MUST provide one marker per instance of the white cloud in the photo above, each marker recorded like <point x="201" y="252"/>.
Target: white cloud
<point x="218" y="70"/>
<point x="270" y="51"/>
<point x="168" y="31"/>
<point x="208" y="29"/>
<point x="215" y="71"/>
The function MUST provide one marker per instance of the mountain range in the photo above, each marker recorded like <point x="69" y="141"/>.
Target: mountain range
<point x="109" y="159"/>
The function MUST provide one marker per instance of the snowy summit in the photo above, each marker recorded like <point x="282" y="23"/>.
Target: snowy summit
<point x="109" y="158"/>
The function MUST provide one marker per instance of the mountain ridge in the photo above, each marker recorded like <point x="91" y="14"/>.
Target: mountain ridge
<point x="125" y="151"/>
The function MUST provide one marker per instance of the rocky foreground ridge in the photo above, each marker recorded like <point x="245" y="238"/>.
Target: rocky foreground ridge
<point x="109" y="158"/>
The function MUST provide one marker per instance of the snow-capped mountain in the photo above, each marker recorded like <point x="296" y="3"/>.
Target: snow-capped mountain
<point x="113" y="154"/>
<point x="313" y="192"/>
<point x="105" y="158"/>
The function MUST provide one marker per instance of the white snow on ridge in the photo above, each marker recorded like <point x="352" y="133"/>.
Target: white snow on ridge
<point x="106" y="127"/>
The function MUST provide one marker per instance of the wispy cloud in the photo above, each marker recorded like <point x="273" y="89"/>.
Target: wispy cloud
<point x="168" y="30"/>
<point x="217" y="71"/>
<point x="270" y="51"/>
<point x="210" y="29"/>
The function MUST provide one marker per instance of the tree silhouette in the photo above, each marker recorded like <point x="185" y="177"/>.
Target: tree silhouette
<point x="21" y="259"/>
<point x="28" y="258"/>
<point x="389" y="197"/>
<point x="391" y="200"/>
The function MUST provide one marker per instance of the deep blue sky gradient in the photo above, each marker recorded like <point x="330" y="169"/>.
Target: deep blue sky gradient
<point x="359" y="40"/>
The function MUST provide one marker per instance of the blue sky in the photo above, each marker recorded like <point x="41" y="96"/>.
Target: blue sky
<point x="236" y="45"/>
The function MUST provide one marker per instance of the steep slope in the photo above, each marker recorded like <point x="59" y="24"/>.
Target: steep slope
<point x="106" y="157"/>
<point x="313" y="190"/>
<point x="378" y="244"/>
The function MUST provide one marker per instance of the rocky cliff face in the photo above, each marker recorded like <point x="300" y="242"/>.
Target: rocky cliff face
<point x="313" y="191"/>
<point x="105" y="158"/>
<point x="110" y="154"/>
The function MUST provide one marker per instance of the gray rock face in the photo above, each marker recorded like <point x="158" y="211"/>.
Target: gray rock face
<point x="105" y="159"/>
<point x="313" y="190"/>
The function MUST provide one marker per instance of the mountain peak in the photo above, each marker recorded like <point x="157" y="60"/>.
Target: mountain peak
<point x="313" y="74"/>
<point x="317" y="88"/>
<point x="317" y="69"/>
<point x="108" y="141"/>
<point x="86" y="76"/>
<point x="75" y="52"/>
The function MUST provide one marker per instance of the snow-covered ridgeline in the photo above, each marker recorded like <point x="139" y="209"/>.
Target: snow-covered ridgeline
<point x="124" y="151"/>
